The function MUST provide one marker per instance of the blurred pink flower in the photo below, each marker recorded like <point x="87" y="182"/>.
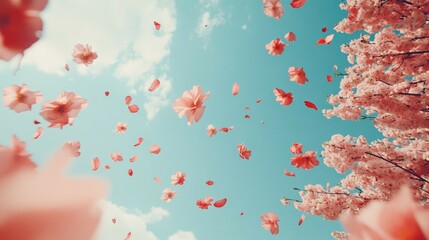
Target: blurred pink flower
<point x="20" y="99"/>
<point x="20" y="25"/>
<point x="284" y="98"/>
<point x="244" y="152"/>
<point x="273" y="8"/>
<point x="191" y="104"/>
<point x="178" y="178"/>
<point x="204" y="203"/>
<point x="83" y="54"/>
<point x="121" y="127"/>
<point x="211" y="130"/>
<point x="168" y="195"/>
<point x="72" y="147"/>
<point x="270" y="222"/>
<point x="297" y="75"/>
<point x="296" y="148"/>
<point x="400" y="218"/>
<point x="306" y="161"/>
<point x="44" y="203"/>
<point x="62" y="110"/>
<point x="275" y="47"/>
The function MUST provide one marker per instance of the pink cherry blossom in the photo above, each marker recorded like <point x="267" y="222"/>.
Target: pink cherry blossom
<point x="290" y="36"/>
<point x="191" y="104"/>
<point x="284" y="201"/>
<point x="20" y="99"/>
<point x="244" y="153"/>
<point x="61" y="201"/>
<point x="121" y="127"/>
<point x="275" y="47"/>
<point x="20" y="24"/>
<point x="211" y="130"/>
<point x="204" y="203"/>
<point x="306" y="161"/>
<point x="155" y="149"/>
<point x="178" y="178"/>
<point x="83" y="54"/>
<point x="116" y="157"/>
<point x="273" y="8"/>
<point x="270" y="222"/>
<point x="72" y="148"/>
<point x="296" y="148"/>
<point x="168" y="195"/>
<point x="63" y="110"/>
<point x="400" y="218"/>
<point x="95" y="164"/>
<point x="297" y="75"/>
<point x="284" y="98"/>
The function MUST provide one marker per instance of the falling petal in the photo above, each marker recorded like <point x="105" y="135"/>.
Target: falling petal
<point x="128" y="237"/>
<point x="220" y="203"/>
<point x="95" y="164"/>
<point x="107" y="167"/>
<point x="36" y="122"/>
<point x="224" y="129"/>
<point x="155" y="84"/>
<point x="289" y="174"/>
<point x="157" y="179"/>
<point x="107" y="93"/>
<point x="130" y="172"/>
<point x="258" y="100"/>
<point x="134" y="158"/>
<point x="128" y="100"/>
<point x="113" y="220"/>
<point x="66" y="67"/>
<point x="329" y="78"/>
<point x="139" y="141"/>
<point x="247" y="116"/>
<point x="38" y="133"/>
<point x="301" y="220"/>
<point x="324" y="29"/>
<point x="310" y="105"/>
<point x="321" y="41"/>
<point x="235" y="89"/>
<point x="157" y="25"/>
<point x="329" y="39"/>
<point x="298" y="3"/>
<point x="133" y="108"/>
<point x="290" y="36"/>
<point x="210" y="183"/>
<point x="155" y="149"/>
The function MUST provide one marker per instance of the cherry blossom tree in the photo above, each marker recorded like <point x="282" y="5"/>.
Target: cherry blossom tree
<point x="388" y="84"/>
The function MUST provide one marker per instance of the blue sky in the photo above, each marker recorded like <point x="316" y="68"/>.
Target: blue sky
<point x="182" y="54"/>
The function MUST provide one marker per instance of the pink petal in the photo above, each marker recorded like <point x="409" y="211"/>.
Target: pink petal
<point x="210" y="183"/>
<point x="242" y="213"/>
<point x="107" y="167"/>
<point x="155" y="84"/>
<point x="36" y="122"/>
<point x="301" y="220"/>
<point x="157" y="179"/>
<point x="258" y="100"/>
<point x="321" y="41"/>
<point x="290" y="36"/>
<point x="139" y="141"/>
<point x="106" y="93"/>
<point x="38" y="133"/>
<point x="95" y="164"/>
<point x="235" y="89"/>
<point x="246" y="108"/>
<point x="128" y="100"/>
<point x="335" y="67"/>
<point x="329" y="39"/>
<point x="220" y="203"/>
<point x="133" y="108"/>
<point x="113" y="220"/>
<point x="130" y="172"/>
<point x="224" y="129"/>
<point x="128" y="237"/>
<point x="155" y="149"/>
<point x="329" y="78"/>
<point x="67" y="67"/>
<point x="310" y="105"/>
<point x="157" y="25"/>
<point x="324" y="29"/>
<point x="134" y="158"/>
<point x="297" y="3"/>
<point x="289" y="174"/>
<point x="247" y="116"/>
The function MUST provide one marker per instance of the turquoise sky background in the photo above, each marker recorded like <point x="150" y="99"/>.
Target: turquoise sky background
<point x="227" y="55"/>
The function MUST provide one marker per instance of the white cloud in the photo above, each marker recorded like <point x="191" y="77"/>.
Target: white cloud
<point x="182" y="235"/>
<point x="127" y="222"/>
<point x="121" y="32"/>
<point x="211" y="17"/>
